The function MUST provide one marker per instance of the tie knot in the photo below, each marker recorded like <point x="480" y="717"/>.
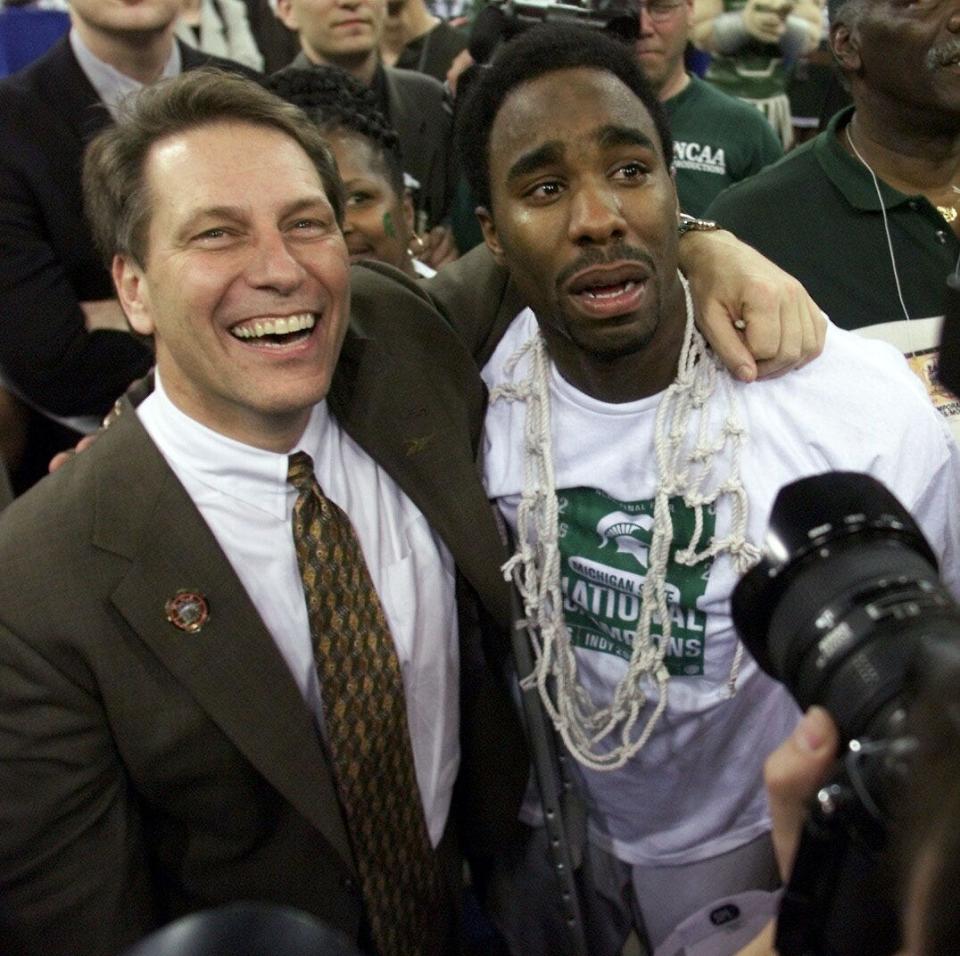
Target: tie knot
<point x="300" y="471"/>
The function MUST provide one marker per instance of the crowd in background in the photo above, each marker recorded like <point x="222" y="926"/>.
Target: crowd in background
<point x="432" y="219"/>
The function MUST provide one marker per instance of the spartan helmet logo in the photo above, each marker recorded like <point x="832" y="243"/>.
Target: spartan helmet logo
<point x="626" y="530"/>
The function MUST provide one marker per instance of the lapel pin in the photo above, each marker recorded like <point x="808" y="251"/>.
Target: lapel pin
<point x="187" y="611"/>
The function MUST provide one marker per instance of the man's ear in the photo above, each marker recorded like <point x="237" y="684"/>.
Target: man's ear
<point x="490" y="236"/>
<point x="286" y="15"/>
<point x="846" y="48"/>
<point x="133" y="293"/>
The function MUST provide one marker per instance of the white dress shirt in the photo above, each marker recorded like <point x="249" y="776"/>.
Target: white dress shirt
<point x="112" y="86"/>
<point x="243" y="495"/>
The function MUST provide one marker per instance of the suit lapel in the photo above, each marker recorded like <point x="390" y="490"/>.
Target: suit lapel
<point x="231" y="666"/>
<point x="386" y="404"/>
<point x="67" y="90"/>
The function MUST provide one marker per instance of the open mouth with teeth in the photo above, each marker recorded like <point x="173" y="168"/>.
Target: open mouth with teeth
<point x="609" y="292"/>
<point x="275" y="332"/>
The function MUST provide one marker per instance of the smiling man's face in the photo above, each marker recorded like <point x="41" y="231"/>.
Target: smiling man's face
<point x="584" y="213"/>
<point x="245" y="283"/>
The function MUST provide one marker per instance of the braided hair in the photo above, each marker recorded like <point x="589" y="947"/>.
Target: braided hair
<point x="338" y="103"/>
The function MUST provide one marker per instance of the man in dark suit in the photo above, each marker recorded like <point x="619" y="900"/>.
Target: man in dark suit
<point x="347" y="34"/>
<point x="167" y="742"/>
<point x="64" y="343"/>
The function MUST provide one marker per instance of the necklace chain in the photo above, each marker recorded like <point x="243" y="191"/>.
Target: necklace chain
<point x="883" y="214"/>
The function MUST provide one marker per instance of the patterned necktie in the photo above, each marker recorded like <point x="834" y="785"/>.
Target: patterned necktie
<point x="366" y="721"/>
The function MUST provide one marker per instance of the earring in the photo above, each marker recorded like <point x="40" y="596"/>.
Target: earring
<point x="417" y="247"/>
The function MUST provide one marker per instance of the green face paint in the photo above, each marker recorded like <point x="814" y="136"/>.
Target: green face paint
<point x="388" y="226"/>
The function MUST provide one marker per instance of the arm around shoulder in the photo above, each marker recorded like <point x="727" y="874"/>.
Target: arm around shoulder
<point x="756" y="317"/>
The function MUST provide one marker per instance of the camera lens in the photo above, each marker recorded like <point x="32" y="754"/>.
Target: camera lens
<point x="844" y="597"/>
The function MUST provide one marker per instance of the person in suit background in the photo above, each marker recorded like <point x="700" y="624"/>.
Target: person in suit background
<point x="65" y="347"/>
<point x="168" y="740"/>
<point x="415" y="39"/>
<point x="220" y="27"/>
<point x="347" y="34"/>
<point x="378" y="219"/>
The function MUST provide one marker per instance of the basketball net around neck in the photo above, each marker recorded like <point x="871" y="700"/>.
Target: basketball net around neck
<point x="606" y="737"/>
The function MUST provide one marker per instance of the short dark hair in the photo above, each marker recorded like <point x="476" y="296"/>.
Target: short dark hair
<point x="337" y="102"/>
<point x="115" y="193"/>
<point x="545" y="48"/>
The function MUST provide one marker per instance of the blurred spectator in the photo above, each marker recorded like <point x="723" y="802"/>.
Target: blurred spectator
<point x="378" y="216"/>
<point x="867" y="214"/>
<point x="220" y="27"/>
<point x="347" y="34"/>
<point x="717" y="140"/>
<point x="753" y="43"/>
<point x="64" y="344"/>
<point x="415" y="39"/>
<point x="278" y="44"/>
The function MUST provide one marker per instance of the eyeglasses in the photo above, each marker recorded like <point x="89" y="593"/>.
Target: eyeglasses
<point x="659" y="10"/>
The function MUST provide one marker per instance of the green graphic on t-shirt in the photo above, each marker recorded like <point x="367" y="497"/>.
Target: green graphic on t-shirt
<point x="604" y="554"/>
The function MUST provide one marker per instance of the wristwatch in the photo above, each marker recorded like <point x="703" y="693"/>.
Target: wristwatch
<point x="692" y="224"/>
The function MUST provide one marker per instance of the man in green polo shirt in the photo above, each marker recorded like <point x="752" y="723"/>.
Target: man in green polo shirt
<point x="866" y="214"/>
<point x="717" y="139"/>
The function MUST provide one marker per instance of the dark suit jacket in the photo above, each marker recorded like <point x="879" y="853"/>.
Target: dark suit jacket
<point x="434" y="52"/>
<point x="48" y="264"/>
<point x="418" y="109"/>
<point x="478" y="299"/>
<point x="147" y="772"/>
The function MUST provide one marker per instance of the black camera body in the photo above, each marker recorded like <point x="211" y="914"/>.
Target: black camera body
<point x="500" y="20"/>
<point x="846" y="609"/>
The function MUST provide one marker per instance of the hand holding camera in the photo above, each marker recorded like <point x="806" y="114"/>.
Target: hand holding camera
<point x="846" y="609"/>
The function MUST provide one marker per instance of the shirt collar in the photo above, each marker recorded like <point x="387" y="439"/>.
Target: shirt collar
<point x="255" y="477"/>
<point x="111" y="85"/>
<point x="847" y="173"/>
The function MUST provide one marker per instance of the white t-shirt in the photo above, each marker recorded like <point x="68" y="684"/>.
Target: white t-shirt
<point x="695" y="790"/>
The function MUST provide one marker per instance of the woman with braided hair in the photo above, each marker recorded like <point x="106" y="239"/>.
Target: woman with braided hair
<point x="378" y="213"/>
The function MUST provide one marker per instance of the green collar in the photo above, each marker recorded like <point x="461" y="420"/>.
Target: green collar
<point x="849" y="175"/>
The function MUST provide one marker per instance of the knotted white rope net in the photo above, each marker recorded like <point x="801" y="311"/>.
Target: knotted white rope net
<point x="687" y="447"/>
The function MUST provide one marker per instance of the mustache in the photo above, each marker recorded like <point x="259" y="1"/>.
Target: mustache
<point x="593" y="256"/>
<point x="939" y="56"/>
